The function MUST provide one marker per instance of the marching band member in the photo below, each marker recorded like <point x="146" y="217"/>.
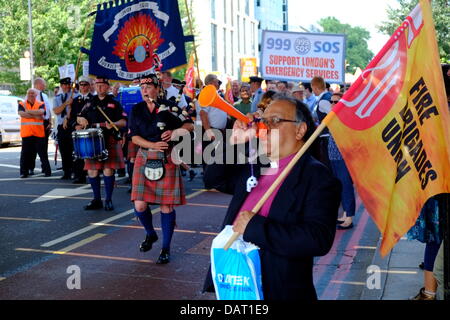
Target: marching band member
<point x="92" y="117"/>
<point x="84" y="99"/>
<point x="61" y="108"/>
<point x="156" y="178"/>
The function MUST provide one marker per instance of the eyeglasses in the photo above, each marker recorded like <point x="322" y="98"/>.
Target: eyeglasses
<point x="274" y="122"/>
<point x="334" y="101"/>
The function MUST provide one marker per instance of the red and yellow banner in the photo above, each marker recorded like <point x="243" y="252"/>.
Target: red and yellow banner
<point x="392" y="128"/>
<point x="189" y="78"/>
<point x="229" y="93"/>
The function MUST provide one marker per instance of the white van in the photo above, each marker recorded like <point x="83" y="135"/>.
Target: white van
<point x="9" y="120"/>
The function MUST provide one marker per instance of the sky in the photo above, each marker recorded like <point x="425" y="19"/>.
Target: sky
<point x="364" y="13"/>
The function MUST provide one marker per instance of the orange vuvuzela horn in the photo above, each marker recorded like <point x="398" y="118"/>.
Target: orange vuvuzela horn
<point x="209" y="98"/>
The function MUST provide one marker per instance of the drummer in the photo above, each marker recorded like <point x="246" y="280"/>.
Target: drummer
<point x="156" y="182"/>
<point x="91" y="117"/>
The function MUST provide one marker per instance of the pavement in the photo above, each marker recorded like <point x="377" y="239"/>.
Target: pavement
<point x="401" y="277"/>
<point x="52" y="249"/>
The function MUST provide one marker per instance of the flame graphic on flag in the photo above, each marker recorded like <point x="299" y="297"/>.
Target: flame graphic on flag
<point x="138" y="39"/>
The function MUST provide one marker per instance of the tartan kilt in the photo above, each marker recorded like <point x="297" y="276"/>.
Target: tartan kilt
<point x="132" y="150"/>
<point x="115" y="157"/>
<point x="168" y="191"/>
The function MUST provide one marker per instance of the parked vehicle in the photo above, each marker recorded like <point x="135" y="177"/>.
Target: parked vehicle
<point x="9" y="120"/>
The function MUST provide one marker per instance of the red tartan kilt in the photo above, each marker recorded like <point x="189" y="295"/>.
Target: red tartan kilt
<point x="132" y="150"/>
<point x="168" y="191"/>
<point x="115" y="157"/>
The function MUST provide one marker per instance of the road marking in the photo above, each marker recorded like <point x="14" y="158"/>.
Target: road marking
<point x="140" y="228"/>
<point x="67" y="184"/>
<point x="85" y="229"/>
<point x="81" y="243"/>
<point x="30" y="178"/>
<point x="349" y="282"/>
<point x="24" y="219"/>
<point x="100" y="223"/>
<point x="75" y="254"/>
<point x="37" y="196"/>
<point x="61" y="193"/>
<point x="206" y="205"/>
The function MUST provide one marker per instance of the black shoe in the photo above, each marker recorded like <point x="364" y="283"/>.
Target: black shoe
<point x="164" y="257"/>
<point x="31" y="173"/>
<point x="48" y="174"/>
<point x="24" y="176"/>
<point x="79" y="181"/>
<point x="422" y="266"/>
<point x="109" y="205"/>
<point x="66" y="177"/>
<point x="147" y="244"/>
<point x="192" y="175"/>
<point x="94" y="205"/>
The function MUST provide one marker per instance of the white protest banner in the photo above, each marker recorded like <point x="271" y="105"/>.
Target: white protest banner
<point x="67" y="71"/>
<point x="85" y="68"/>
<point x="302" y="56"/>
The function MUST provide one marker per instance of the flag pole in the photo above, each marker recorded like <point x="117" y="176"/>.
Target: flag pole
<point x="285" y="172"/>
<point x="193" y="41"/>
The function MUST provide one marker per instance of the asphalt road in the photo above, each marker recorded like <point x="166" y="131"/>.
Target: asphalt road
<point x="44" y="230"/>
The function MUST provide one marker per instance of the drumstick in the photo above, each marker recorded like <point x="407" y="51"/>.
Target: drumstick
<point x="109" y="120"/>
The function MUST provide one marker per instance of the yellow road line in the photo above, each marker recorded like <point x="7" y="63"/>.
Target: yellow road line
<point x="206" y="205"/>
<point x="75" y="254"/>
<point x="25" y="219"/>
<point x="140" y="227"/>
<point x="81" y="243"/>
<point x="66" y="184"/>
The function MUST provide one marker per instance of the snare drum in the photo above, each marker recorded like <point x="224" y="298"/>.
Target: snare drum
<point x="89" y="144"/>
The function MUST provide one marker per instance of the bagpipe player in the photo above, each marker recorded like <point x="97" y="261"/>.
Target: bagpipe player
<point x="156" y="178"/>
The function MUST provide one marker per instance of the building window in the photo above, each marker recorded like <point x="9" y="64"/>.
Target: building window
<point x="213" y="47"/>
<point x="225" y="42"/>
<point x="225" y="19"/>
<point x="247" y="7"/>
<point x="232" y="13"/>
<point x="252" y="32"/>
<point x="232" y="53"/>
<point x="245" y="36"/>
<point x="213" y="9"/>
<point x="239" y="32"/>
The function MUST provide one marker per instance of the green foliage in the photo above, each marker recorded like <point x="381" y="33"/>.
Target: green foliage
<point x="441" y="17"/>
<point x="58" y="32"/>
<point x="58" y="29"/>
<point x="358" y="53"/>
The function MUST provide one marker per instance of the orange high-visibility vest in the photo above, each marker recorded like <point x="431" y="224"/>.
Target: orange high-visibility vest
<point x="31" y="127"/>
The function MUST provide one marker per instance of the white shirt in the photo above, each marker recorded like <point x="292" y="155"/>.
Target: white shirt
<point x="174" y="92"/>
<point x="47" y="113"/>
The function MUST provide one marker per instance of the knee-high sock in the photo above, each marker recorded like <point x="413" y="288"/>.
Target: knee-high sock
<point x="146" y="220"/>
<point x="109" y="186"/>
<point x="167" y="226"/>
<point x="95" y="184"/>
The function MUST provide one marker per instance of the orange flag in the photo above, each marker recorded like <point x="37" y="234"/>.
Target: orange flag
<point x="189" y="78"/>
<point x="392" y="128"/>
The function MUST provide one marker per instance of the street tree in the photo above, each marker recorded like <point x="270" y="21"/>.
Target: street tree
<point x="358" y="53"/>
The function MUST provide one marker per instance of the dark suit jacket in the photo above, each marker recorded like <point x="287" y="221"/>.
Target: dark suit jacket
<point x="301" y="224"/>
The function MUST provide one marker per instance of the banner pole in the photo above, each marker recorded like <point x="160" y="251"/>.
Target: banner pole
<point x="192" y="33"/>
<point x="285" y="172"/>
